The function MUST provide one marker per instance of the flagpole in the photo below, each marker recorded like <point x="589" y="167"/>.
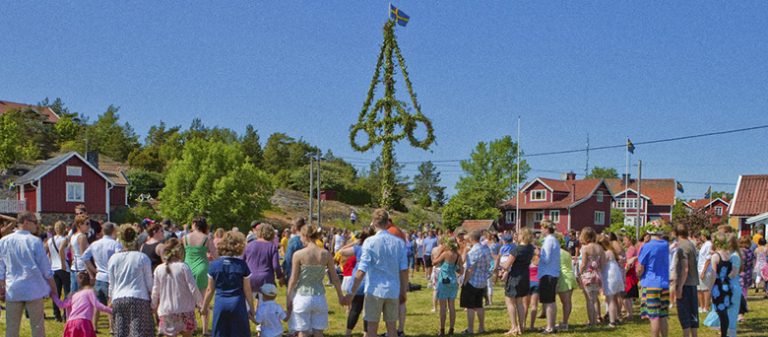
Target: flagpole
<point x="626" y="178"/>
<point x="517" y="187"/>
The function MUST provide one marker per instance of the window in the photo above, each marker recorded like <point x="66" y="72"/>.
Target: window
<point x="510" y="216"/>
<point x="599" y="218"/>
<point x="719" y="210"/>
<point x="538" y="195"/>
<point x="599" y="196"/>
<point x="538" y="216"/>
<point x="75" y="192"/>
<point x="554" y="216"/>
<point x="74" y="171"/>
<point x="626" y="203"/>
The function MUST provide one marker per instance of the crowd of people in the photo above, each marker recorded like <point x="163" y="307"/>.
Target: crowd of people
<point x="154" y="278"/>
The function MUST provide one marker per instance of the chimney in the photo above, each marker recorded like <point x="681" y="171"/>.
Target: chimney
<point x="570" y="176"/>
<point x="93" y="158"/>
<point x="625" y="176"/>
<point x="573" y="192"/>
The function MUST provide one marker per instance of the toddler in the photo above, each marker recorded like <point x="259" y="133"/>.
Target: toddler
<point x="269" y="313"/>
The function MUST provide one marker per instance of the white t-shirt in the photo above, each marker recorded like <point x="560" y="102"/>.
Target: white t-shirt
<point x="338" y="242"/>
<point x="705" y="252"/>
<point x="270" y="315"/>
<point x="53" y="247"/>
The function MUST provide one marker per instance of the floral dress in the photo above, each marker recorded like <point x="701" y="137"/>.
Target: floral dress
<point x="746" y="272"/>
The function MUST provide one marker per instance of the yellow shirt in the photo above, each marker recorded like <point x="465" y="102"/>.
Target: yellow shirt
<point x="284" y="243"/>
<point x="756" y="238"/>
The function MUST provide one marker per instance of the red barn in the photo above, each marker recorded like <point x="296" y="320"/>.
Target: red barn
<point x="570" y="204"/>
<point x="54" y="187"/>
<point x="716" y="209"/>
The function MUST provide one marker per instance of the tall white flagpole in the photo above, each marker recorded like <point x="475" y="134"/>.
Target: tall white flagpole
<point x="517" y="187"/>
<point x="626" y="178"/>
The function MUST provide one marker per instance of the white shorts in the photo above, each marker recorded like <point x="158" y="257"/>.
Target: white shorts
<point x="309" y="313"/>
<point x="346" y="284"/>
<point x="708" y="282"/>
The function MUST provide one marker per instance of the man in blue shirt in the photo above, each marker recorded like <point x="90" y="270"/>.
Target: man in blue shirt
<point x="384" y="267"/>
<point x="473" y="291"/>
<point x="653" y="269"/>
<point x="25" y="277"/>
<point x="97" y="261"/>
<point x="549" y="273"/>
<point x="429" y="243"/>
<point x="294" y="244"/>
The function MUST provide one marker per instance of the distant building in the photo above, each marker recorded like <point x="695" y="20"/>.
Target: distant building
<point x="483" y="225"/>
<point x="657" y="198"/>
<point x="716" y="209"/>
<point x="749" y="201"/>
<point x="54" y="187"/>
<point x="570" y="204"/>
<point x="47" y="113"/>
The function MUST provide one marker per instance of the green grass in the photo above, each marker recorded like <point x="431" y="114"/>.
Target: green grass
<point x="422" y="322"/>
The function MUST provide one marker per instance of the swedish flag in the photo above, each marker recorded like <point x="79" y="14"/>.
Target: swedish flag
<point x="398" y="16"/>
<point x="630" y="146"/>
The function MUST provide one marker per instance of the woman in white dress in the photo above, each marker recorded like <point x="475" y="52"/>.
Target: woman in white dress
<point x="613" y="280"/>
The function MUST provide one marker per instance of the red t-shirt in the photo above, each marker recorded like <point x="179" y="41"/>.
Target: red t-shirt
<point x="346" y="270"/>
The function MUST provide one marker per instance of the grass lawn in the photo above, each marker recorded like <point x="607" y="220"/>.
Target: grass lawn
<point x="422" y="322"/>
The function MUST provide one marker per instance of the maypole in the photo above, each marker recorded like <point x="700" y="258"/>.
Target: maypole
<point x="380" y="122"/>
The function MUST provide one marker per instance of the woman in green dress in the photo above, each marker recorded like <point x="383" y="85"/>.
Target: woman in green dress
<point x="198" y="249"/>
<point x="565" y="284"/>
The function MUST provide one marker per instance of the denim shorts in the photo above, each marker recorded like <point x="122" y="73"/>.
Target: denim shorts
<point x="102" y="291"/>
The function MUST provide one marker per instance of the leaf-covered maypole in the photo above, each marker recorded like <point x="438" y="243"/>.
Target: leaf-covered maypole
<point x="381" y="123"/>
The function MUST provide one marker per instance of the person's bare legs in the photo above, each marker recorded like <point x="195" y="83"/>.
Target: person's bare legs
<point x="628" y="307"/>
<point x="471" y="320"/>
<point x="520" y="308"/>
<point x="451" y="314"/>
<point x="401" y="322"/>
<point x="591" y="297"/>
<point x="480" y="320"/>
<point x="565" y="299"/>
<point x="391" y="328"/>
<point x="655" y="327"/>
<point x="534" y="308"/>
<point x="664" y="327"/>
<point x="512" y="314"/>
<point x="443" y="308"/>
<point x="373" y="328"/>
<point x="551" y="312"/>
<point x="612" y="308"/>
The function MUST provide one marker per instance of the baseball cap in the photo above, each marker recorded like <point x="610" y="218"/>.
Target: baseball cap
<point x="269" y="289"/>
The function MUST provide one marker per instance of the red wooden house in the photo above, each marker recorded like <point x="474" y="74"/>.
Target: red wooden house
<point x="54" y="187"/>
<point x="657" y="198"/>
<point x="716" y="209"/>
<point x="570" y="204"/>
<point x="749" y="202"/>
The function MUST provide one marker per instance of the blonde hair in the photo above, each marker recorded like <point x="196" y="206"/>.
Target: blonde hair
<point x="219" y="233"/>
<point x="312" y="232"/>
<point x="231" y="244"/>
<point x="525" y="235"/>
<point x="720" y="241"/>
<point x="450" y="243"/>
<point x="60" y="227"/>
<point x="587" y="235"/>
<point x="128" y="236"/>
<point x="266" y="231"/>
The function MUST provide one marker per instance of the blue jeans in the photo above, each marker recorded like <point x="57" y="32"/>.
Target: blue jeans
<point x="73" y="282"/>
<point x="410" y="261"/>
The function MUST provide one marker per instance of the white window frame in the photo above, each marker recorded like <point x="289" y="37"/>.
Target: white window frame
<point x="71" y="185"/>
<point x="600" y="215"/>
<point x="74" y="171"/>
<point x="554" y="216"/>
<point x="543" y="195"/>
<point x="719" y="210"/>
<point x="599" y="196"/>
<point x="510" y="216"/>
<point x="538" y="216"/>
<point x="624" y="203"/>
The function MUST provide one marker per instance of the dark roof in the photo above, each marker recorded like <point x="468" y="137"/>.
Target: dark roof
<point x="47" y="166"/>
<point x="660" y="191"/>
<point x="51" y="117"/>
<point x="751" y="196"/>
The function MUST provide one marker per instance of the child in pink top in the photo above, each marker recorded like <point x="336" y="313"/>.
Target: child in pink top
<point x="80" y="307"/>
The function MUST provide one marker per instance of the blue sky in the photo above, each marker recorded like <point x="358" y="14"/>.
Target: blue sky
<point x="608" y="69"/>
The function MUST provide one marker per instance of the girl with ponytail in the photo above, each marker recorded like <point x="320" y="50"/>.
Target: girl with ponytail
<point x="174" y="292"/>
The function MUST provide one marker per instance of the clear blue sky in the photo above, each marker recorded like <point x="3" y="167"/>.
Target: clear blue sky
<point x="610" y="69"/>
